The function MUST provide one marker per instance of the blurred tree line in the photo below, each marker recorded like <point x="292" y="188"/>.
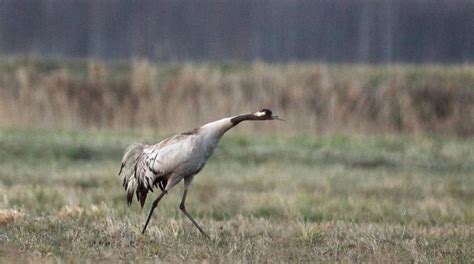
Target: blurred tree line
<point x="382" y="31"/>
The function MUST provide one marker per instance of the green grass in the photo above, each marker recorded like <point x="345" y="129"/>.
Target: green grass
<point x="262" y="199"/>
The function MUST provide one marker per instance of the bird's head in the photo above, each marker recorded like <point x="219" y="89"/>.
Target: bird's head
<point x="266" y="114"/>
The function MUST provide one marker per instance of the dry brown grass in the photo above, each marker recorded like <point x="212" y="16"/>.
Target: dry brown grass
<point x="69" y="212"/>
<point x="8" y="216"/>
<point x="314" y="98"/>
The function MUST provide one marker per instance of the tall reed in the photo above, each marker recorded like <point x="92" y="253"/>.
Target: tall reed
<point x="314" y="98"/>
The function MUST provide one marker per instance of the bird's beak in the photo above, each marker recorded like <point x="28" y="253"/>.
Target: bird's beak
<point x="275" y="117"/>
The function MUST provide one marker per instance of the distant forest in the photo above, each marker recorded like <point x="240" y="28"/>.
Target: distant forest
<point x="362" y="31"/>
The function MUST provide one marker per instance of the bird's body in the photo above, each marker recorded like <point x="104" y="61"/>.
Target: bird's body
<point x="174" y="159"/>
<point x="171" y="160"/>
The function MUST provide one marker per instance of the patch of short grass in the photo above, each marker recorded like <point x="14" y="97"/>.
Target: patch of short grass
<point x="270" y="199"/>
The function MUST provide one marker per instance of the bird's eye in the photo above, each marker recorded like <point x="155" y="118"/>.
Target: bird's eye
<point x="266" y="111"/>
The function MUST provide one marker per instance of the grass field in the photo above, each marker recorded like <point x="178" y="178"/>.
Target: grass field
<point x="266" y="199"/>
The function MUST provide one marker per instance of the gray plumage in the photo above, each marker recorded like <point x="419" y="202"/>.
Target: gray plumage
<point x="174" y="159"/>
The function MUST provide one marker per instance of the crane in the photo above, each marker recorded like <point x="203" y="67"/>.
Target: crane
<point x="176" y="158"/>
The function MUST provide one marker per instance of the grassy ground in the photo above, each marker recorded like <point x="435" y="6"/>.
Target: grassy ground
<point x="276" y="199"/>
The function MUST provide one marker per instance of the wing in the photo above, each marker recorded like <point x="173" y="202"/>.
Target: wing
<point x="144" y="167"/>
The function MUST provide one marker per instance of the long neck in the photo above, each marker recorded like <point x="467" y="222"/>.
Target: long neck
<point x="221" y="126"/>
<point x="217" y="128"/>
<point x="237" y="119"/>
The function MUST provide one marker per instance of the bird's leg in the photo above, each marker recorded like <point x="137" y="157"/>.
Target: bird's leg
<point x="182" y="207"/>
<point x="153" y="206"/>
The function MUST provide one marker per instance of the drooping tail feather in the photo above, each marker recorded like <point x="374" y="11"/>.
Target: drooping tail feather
<point x="131" y="180"/>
